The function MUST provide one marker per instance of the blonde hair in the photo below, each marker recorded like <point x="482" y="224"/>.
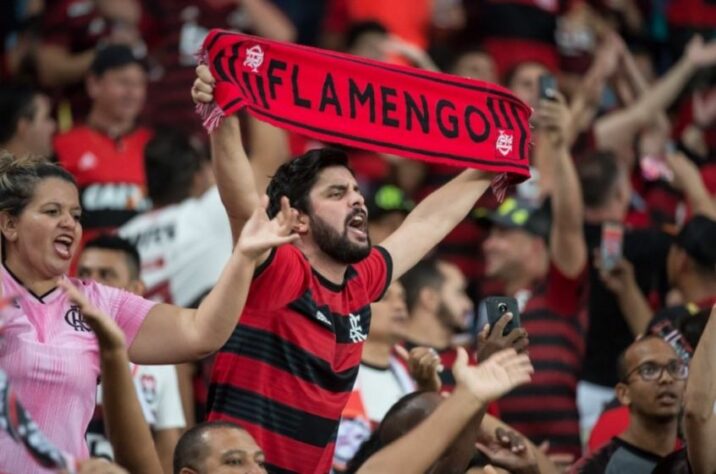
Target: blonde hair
<point x="19" y="178"/>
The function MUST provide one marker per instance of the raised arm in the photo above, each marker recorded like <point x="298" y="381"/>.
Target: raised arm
<point x="476" y="387"/>
<point x="567" y="247"/>
<point x="619" y="128"/>
<point x="233" y="171"/>
<point x="126" y="428"/>
<point x="688" y="180"/>
<point x="170" y="334"/>
<point x="434" y="218"/>
<point x="699" y="400"/>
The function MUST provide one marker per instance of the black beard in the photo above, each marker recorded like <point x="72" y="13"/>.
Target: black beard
<point x="335" y="245"/>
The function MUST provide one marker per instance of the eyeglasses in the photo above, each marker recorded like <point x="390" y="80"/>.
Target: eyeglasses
<point x="650" y="371"/>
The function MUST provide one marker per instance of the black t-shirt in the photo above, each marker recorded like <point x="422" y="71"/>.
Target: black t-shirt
<point x="609" y="333"/>
<point x="617" y="456"/>
<point x="675" y="463"/>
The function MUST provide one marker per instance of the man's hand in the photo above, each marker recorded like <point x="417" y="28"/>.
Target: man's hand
<point x="261" y="234"/>
<point x="202" y="92"/>
<point x="109" y="335"/>
<point x="494" y="377"/>
<point x="424" y="366"/>
<point x="508" y="450"/>
<point x="492" y="340"/>
<point x="699" y="53"/>
<point x="554" y="117"/>
<point x="619" y="279"/>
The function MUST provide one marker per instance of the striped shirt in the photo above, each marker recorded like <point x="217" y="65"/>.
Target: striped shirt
<point x="546" y="408"/>
<point x="288" y="369"/>
<point x="52" y="360"/>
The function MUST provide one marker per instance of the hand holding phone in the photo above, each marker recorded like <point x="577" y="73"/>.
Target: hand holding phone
<point x="498" y="306"/>
<point x="547" y="87"/>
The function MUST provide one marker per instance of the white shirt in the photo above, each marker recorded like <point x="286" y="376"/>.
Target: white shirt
<point x="183" y="247"/>
<point x="158" y="393"/>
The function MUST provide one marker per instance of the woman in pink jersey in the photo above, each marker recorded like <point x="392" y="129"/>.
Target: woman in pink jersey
<point x="47" y="349"/>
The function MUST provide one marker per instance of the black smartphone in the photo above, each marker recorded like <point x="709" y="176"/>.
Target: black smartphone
<point x="547" y="86"/>
<point x="496" y="306"/>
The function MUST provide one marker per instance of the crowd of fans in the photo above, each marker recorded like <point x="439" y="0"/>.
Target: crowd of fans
<point x="160" y="314"/>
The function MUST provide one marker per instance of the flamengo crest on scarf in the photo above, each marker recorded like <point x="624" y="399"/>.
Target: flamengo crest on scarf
<point x="361" y="103"/>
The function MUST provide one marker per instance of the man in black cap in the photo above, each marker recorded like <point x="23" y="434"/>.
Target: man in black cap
<point x="539" y="255"/>
<point x="105" y="154"/>
<point x="522" y="253"/>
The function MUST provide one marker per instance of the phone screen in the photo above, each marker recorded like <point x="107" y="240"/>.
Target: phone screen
<point x="611" y="248"/>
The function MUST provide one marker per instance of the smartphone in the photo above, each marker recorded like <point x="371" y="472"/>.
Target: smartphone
<point x="547" y="86"/>
<point x="496" y="306"/>
<point x="610" y="251"/>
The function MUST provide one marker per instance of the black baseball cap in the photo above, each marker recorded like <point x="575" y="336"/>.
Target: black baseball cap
<point x="387" y="199"/>
<point x="517" y="213"/>
<point x="114" y="56"/>
<point x="698" y="239"/>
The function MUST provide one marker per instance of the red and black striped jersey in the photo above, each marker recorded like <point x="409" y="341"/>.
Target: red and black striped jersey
<point x="555" y="319"/>
<point x="288" y="369"/>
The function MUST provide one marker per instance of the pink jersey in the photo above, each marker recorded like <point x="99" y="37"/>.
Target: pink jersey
<point x="52" y="361"/>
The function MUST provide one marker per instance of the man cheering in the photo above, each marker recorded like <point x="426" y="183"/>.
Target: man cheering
<point x="288" y="369"/>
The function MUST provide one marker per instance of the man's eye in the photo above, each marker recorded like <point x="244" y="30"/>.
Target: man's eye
<point x="235" y="462"/>
<point x="649" y="369"/>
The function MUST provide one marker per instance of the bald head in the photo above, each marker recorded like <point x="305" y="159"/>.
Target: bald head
<point x="414" y="408"/>
<point x="406" y="414"/>
<point x="208" y="446"/>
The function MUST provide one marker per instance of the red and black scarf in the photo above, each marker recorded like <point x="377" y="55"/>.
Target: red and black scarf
<point x="361" y="103"/>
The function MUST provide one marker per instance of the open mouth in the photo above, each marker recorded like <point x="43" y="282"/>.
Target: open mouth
<point x="63" y="246"/>
<point x="358" y="224"/>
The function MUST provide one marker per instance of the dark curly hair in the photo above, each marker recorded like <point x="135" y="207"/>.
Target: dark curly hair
<point x="295" y="179"/>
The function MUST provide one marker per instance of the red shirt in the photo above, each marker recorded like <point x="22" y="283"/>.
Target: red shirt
<point x="288" y="369"/>
<point x="109" y="173"/>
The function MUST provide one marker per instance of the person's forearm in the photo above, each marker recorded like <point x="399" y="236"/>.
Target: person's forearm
<point x="434" y="218"/>
<point x="234" y="175"/>
<point x="699" y="399"/>
<point x="420" y="448"/>
<point x="451" y="203"/>
<point x="57" y="68"/>
<point x="619" y="128"/>
<point x="217" y="315"/>
<point x="642" y="87"/>
<point x="269" y="21"/>
<point x="664" y="92"/>
<point x="635" y="308"/>
<point x="165" y="441"/>
<point x="126" y="428"/>
<point x="567" y="245"/>
<point x="269" y="149"/>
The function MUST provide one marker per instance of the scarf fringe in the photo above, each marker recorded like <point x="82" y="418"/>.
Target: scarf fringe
<point x="499" y="186"/>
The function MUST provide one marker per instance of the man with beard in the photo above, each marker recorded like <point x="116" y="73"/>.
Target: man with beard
<point x="288" y="369"/>
<point x="652" y="381"/>
<point x="439" y="308"/>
